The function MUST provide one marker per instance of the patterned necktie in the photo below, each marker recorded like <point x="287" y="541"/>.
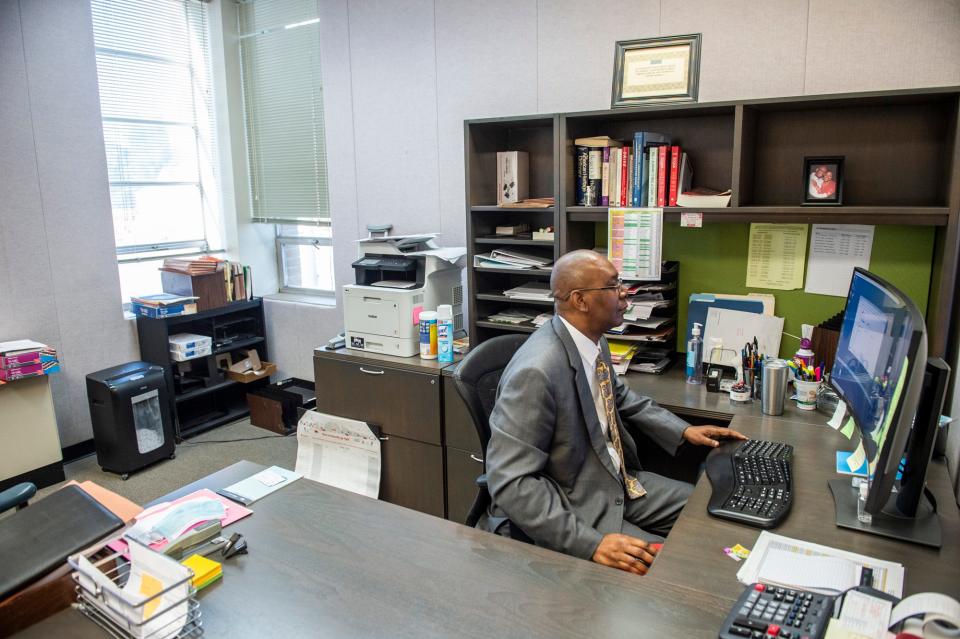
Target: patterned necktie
<point x="633" y="487"/>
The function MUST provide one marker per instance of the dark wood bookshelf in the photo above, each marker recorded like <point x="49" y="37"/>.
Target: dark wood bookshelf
<point x="508" y="241"/>
<point x="902" y="167"/>
<point x="219" y="400"/>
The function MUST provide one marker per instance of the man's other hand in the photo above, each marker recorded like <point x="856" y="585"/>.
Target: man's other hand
<point x="709" y="435"/>
<point x="626" y="553"/>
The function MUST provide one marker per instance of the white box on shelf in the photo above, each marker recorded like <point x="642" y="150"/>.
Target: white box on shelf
<point x="513" y="173"/>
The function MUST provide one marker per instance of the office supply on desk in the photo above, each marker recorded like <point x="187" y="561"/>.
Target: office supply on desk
<point x="786" y="613"/>
<point x="260" y="485"/>
<point x="791" y="560"/>
<point x="339" y="452"/>
<point x="152" y="596"/>
<point x="233" y="512"/>
<point x="895" y="395"/>
<point x="752" y="481"/>
<point x="205" y="570"/>
<point x="193" y="539"/>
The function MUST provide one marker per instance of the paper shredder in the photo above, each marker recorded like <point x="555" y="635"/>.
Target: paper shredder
<point x="132" y="421"/>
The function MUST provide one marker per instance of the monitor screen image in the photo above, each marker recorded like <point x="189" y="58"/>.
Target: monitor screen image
<point x="872" y="361"/>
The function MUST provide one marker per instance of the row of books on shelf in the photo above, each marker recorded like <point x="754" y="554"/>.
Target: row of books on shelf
<point x="26" y="358"/>
<point x="238" y="279"/>
<point x="649" y="172"/>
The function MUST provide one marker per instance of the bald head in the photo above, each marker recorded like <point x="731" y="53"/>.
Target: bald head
<point x="578" y="269"/>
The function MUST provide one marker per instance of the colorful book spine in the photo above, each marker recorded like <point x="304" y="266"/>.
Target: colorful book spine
<point x="614" y="189"/>
<point x="674" y="174"/>
<point x="605" y="178"/>
<point x="662" y="172"/>
<point x="582" y="161"/>
<point x="624" y="172"/>
<point x="594" y="177"/>
<point x="652" y="176"/>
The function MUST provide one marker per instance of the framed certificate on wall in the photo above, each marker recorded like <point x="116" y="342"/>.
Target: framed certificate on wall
<point x="656" y="70"/>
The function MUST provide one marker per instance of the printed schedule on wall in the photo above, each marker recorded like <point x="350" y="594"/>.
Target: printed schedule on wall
<point x="634" y="241"/>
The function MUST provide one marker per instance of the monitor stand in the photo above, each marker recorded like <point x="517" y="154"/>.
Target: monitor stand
<point x="923" y="528"/>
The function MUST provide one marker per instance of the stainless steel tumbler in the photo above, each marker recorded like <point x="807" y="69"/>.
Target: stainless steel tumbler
<point x="774" y="386"/>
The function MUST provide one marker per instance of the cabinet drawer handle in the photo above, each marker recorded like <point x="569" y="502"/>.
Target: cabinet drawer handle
<point x="384" y="439"/>
<point x="363" y="370"/>
<point x="479" y="460"/>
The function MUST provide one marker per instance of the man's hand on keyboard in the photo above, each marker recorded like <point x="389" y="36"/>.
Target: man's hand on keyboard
<point x="709" y="435"/>
<point x="626" y="553"/>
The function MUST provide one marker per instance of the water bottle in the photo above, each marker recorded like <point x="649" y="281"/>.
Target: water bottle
<point x="445" y="333"/>
<point x="695" y="357"/>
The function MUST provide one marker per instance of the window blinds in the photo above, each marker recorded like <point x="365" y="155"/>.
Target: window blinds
<point x="153" y="66"/>
<point x="283" y="109"/>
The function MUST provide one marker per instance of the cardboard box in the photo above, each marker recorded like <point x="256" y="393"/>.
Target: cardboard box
<point x="268" y="369"/>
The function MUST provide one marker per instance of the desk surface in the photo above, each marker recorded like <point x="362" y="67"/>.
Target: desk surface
<point x="324" y="562"/>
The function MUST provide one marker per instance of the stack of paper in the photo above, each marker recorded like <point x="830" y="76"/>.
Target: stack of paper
<point x="542" y="319"/>
<point x="205" y="571"/>
<point x="620" y="354"/>
<point x="512" y="316"/>
<point x="538" y="291"/>
<point x="655" y="367"/>
<point x="792" y="563"/>
<point x="487" y="260"/>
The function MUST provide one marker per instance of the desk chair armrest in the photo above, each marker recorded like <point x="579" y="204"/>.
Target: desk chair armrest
<point x="17" y="496"/>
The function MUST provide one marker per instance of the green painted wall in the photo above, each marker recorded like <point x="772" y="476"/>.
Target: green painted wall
<point x="713" y="259"/>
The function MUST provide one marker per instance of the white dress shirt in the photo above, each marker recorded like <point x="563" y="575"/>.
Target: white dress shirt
<point x="589" y="352"/>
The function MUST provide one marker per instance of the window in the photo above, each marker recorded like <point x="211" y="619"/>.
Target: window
<point x="305" y="259"/>
<point x="286" y="151"/>
<point x="156" y="102"/>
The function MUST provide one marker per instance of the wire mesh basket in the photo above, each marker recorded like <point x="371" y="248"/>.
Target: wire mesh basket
<point x="171" y="613"/>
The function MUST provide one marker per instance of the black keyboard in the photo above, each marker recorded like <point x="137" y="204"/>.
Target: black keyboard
<point x="752" y="481"/>
<point x="767" y="612"/>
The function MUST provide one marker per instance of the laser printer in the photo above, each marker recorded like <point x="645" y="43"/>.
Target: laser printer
<point x="397" y="277"/>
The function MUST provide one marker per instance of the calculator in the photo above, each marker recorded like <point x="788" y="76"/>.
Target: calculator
<point x="765" y="612"/>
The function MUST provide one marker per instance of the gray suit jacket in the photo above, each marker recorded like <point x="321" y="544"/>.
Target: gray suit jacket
<point x="548" y="468"/>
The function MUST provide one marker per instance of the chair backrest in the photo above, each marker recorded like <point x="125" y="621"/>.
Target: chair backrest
<point x="478" y="375"/>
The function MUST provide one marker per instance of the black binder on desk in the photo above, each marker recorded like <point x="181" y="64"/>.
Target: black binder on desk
<point x="39" y="538"/>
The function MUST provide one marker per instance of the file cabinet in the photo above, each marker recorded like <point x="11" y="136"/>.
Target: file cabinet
<point x="401" y="396"/>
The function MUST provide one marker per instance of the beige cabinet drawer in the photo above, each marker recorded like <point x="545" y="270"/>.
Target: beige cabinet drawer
<point x="458" y="428"/>
<point x="463" y="468"/>
<point x="402" y="403"/>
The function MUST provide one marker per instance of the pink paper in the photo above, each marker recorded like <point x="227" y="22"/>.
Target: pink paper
<point x="234" y="511"/>
<point x="416" y="314"/>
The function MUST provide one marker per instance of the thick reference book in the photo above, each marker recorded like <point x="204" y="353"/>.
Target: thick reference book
<point x="581" y="163"/>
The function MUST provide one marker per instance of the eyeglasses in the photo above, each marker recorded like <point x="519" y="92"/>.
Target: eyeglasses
<point x="618" y="287"/>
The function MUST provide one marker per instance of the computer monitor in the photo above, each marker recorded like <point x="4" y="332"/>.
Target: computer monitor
<point x="894" y="395"/>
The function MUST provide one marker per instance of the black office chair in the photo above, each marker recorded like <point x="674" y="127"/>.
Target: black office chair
<point x="477" y="378"/>
<point x="17" y="496"/>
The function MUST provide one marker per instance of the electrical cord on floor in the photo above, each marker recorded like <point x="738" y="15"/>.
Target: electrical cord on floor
<point x="184" y="442"/>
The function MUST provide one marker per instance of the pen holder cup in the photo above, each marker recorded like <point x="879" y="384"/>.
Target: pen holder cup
<point x="806" y="394"/>
<point x="748" y="378"/>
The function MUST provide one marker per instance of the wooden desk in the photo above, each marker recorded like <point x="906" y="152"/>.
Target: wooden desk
<point x="324" y="562"/>
<point x="693" y="555"/>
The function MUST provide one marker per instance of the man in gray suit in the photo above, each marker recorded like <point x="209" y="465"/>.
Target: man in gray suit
<point x="560" y="463"/>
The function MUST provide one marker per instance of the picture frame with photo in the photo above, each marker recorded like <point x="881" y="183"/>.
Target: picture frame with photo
<point x="823" y="181"/>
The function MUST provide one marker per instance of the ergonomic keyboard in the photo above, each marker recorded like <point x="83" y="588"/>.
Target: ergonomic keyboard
<point x="752" y="481"/>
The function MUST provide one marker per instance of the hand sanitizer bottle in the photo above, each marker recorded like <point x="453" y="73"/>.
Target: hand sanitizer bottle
<point x="695" y="357"/>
